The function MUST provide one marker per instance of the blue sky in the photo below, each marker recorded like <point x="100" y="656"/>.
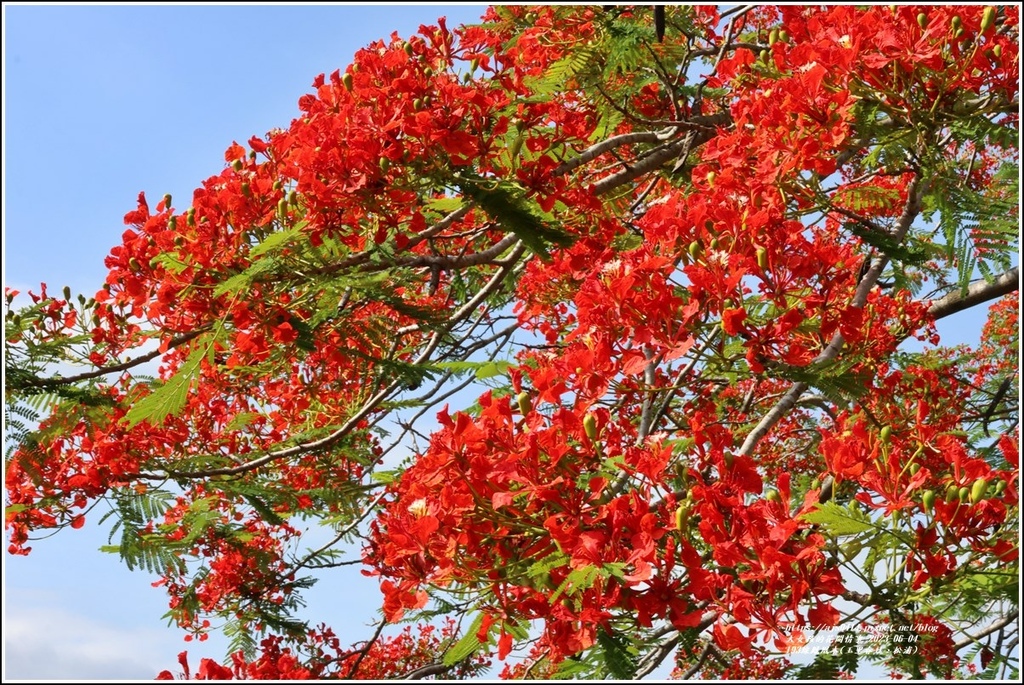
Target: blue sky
<point x="101" y="102"/>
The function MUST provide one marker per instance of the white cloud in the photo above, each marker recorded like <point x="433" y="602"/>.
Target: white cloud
<point x="47" y="643"/>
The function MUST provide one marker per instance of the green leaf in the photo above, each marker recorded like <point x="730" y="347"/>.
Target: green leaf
<point x="277" y="239"/>
<point x="469" y="644"/>
<point x="506" y="204"/>
<point x="620" y="661"/>
<point x="839" y="520"/>
<point x="169" y="398"/>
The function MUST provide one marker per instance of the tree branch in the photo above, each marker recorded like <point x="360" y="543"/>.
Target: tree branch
<point x="104" y="370"/>
<point x="997" y="625"/>
<point x="977" y="292"/>
<point x="860" y="297"/>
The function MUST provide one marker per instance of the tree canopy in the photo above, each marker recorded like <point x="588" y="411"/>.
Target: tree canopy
<point x="603" y="337"/>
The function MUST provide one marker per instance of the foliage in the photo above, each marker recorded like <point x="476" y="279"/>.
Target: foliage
<point x="669" y="292"/>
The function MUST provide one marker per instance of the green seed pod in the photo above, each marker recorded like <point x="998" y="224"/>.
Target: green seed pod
<point x="762" y="258"/>
<point x="282" y="208"/>
<point x="885" y="435"/>
<point x="238" y="165"/>
<point x="695" y="249"/>
<point x="914" y="468"/>
<point x="784" y="36"/>
<point x="246" y="190"/>
<point x="346" y="81"/>
<point x="133" y="264"/>
<point x="773" y="37"/>
<point x="384" y="164"/>
<point x="590" y="426"/>
<point x="988" y="17"/>
<point x="407" y="46"/>
<point x="963" y="493"/>
<point x="167" y="201"/>
<point x="1000" y="488"/>
<point x="955" y="22"/>
<point x="928" y="501"/>
<point x="417" y="104"/>
<point x="711" y="178"/>
<point x="525" y="403"/>
<point x="682" y="514"/>
<point x="67" y="292"/>
<point x="773" y="495"/>
<point x="714" y="244"/>
<point x="922" y="20"/>
<point x="978" y="490"/>
<point x="764" y="56"/>
<point x="278" y="184"/>
<point x="190" y="216"/>
<point x="997" y="51"/>
<point x="293" y="197"/>
<point x="428" y="72"/>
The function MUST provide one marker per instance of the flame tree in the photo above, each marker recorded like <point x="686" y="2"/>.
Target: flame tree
<point x="584" y="330"/>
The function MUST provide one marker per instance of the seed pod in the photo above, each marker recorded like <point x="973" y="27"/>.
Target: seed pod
<point x="955" y="22"/>
<point x="428" y="72"/>
<point x="167" y="201"/>
<point x="762" y="258"/>
<point x="773" y="495"/>
<point x="952" y="492"/>
<point x="282" y="208"/>
<point x="997" y="50"/>
<point x="885" y="435"/>
<point x="407" y="46"/>
<point x="384" y="164"/>
<point x="784" y="36"/>
<point x="525" y="403"/>
<point x="190" y="216"/>
<point x="1000" y="488"/>
<point x="914" y="468"/>
<point x="293" y="197"/>
<point x="922" y="20"/>
<point x="714" y="244"/>
<point x="246" y="190"/>
<point x="711" y="178"/>
<point x="963" y="493"/>
<point x="988" y="17"/>
<point x="694" y="249"/>
<point x="133" y="264"/>
<point x="278" y="184"/>
<point x="928" y="501"/>
<point x="172" y="224"/>
<point x="978" y="490"/>
<point x="773" y="37"/>
<point x="346" y="81"/>
<point x="237" y="165"/>
<point x="681" y="512"/>
<point x="764" y="56"/>
<point x="417" y="104"/>
<point x="590" y="426"/>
